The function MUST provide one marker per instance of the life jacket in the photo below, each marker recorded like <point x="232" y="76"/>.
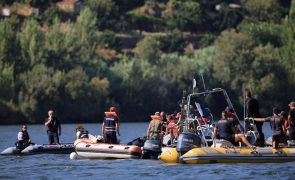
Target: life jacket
<point x="155" y="117"/>
<point x="25" y="135"/>
<point x="83" y="134"/>
<point x="110" y="120"/>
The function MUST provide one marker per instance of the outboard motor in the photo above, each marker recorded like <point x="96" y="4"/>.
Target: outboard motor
<point x="187" y="141"/>
<point x="151" y="149"/>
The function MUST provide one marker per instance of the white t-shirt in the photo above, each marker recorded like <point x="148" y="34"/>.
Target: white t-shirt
<point x="20" y="136"/>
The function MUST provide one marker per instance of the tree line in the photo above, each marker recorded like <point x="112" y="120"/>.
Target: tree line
<point x="79" y="65"/>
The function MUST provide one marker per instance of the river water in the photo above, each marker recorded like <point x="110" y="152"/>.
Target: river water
<point x="60" y="166"/>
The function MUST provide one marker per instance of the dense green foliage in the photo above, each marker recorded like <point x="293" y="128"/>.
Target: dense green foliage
<point x="141" y="55"/>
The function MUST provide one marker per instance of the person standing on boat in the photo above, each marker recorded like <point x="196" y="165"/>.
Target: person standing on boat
<point x="252" y="111"/>
<point x="225" y="129"/>
<point x="154" y="131"/>
<point x="291" y="121"/>
<point x="277" y="126"/>
<point x="164" y="119"/>
<point x="53" y="127"/>
<point x="23" y="139"/>
<point x="172" y="129"/>
<point x="111" y="126"/>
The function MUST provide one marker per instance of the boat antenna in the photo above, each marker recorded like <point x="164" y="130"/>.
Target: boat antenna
<point x="244" y="105"/>
<point x="203" y="81"/>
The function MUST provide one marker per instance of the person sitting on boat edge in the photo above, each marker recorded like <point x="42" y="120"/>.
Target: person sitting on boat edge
<point x="154" y="131"/>
<point x="225" y="130"/>
<point x="111" y="126"/>
<point x="233" y="116"/>
<point x="23" y="139"/>
<point x="277" y="127"/>
<point x="81" y="132"/>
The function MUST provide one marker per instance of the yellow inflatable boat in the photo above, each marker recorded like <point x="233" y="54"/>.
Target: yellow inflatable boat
<point x="204" y="155"/>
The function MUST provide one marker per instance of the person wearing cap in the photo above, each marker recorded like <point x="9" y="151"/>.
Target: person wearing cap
<point x="111" y="126"/>
<point x="252" y="111"/>
<point x="291" y="121"/>
<point x="154" y="131"/>
<point x="277" y="127"/>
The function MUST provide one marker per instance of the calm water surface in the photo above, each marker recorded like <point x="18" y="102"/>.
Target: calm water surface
<point x="57" y="166"/>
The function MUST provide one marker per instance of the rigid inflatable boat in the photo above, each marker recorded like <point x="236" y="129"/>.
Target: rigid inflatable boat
<point x="89" y="149"/>
<point x="238" y="155"/>
<point x="227" y="153"/>
<point x="64" y="148"/>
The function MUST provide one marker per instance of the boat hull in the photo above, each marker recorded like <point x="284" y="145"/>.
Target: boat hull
<point x="88" y="149"/>
<point x="10" y="151"/>
<point x="238" y="155"/>
<point x="64" y="148"/>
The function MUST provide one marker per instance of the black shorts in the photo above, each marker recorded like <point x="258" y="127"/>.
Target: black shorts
<point x="280" y="138"/>
<point x="230" y="138"/>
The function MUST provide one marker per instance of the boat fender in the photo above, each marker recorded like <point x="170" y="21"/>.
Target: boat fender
<point x="73" y="155"/>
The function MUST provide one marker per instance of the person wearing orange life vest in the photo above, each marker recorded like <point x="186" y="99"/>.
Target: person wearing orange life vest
<point x="154" y="131"/>
<point x="172" y="127"/>
<point x="111" y="126"/>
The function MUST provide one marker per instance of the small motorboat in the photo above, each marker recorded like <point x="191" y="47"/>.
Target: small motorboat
<point x="90" y="149"/>
<point x="63" y="148"/>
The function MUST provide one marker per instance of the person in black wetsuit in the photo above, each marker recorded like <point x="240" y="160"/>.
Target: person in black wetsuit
<point x="53" y="128"/>
<point x="252" y="111"/>
<point x="225" y="129"/>
<point x="277" y="127"/>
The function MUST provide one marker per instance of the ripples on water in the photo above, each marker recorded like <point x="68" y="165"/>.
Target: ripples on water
<point x="58" y="166"/>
